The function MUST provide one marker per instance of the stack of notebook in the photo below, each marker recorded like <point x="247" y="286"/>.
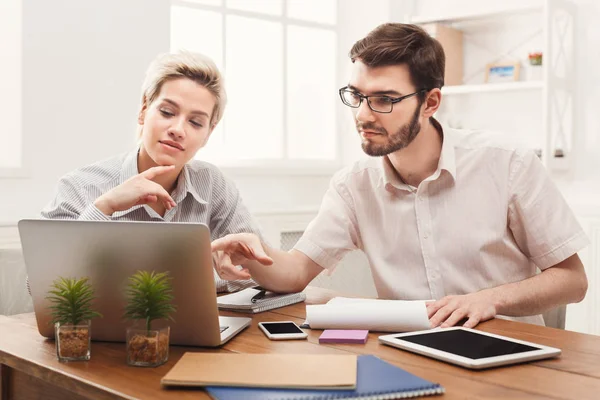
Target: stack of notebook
<point x="255" y="300"/>
<point x="372" y="379"/>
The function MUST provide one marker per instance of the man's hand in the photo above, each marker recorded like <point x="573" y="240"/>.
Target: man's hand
<point x="238" y="249"/>
<point x="448" y="311"/>
<point x="139" y="189"/>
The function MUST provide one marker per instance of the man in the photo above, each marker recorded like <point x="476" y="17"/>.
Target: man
<point x="441" y="214"/>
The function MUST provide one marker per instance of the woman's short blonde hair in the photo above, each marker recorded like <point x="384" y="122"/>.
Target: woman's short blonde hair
<point x="197" y="67"/>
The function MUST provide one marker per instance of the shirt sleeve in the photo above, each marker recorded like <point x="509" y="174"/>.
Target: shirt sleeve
<point x="542" y="223"/>
<point x="228" y="212"/>
<point x="230" y="215"/>
<point x="334" y="232"/>
<point x="70" y="202"/>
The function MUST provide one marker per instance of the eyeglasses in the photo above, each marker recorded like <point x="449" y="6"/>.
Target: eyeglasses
<point x="380" y="104"/>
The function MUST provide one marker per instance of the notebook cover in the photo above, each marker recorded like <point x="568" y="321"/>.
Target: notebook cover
<point x="376" y="379"/>
<point x="319" y="371"/>
<point x="344" y="336"/>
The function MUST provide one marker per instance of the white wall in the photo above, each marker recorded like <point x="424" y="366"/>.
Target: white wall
<point x="588" y="74"/>
<point x="10" y="81"/>
<point x="83" y="64"/>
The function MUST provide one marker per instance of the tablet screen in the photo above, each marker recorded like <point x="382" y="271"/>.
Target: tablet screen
<point x="467" y="344"/>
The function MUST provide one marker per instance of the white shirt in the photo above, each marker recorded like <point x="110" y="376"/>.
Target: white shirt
<point x="489" y="215"/>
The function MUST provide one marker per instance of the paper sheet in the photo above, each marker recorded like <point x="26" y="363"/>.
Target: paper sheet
<point x="241" y="298"/>
<point x="371" y="314"/>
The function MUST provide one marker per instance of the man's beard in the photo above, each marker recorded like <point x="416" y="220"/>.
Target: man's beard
<point x="396" y="141"/>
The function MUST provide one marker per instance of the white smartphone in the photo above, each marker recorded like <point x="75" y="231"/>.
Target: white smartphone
<point x="282" y="330"/>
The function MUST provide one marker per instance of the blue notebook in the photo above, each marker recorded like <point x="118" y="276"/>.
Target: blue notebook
<point x="376" y="379"/>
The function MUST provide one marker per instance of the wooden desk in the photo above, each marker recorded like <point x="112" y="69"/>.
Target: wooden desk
<point x="30" y="370"/>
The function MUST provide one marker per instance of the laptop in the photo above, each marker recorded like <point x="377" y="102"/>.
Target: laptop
<point x="108" y="252"/>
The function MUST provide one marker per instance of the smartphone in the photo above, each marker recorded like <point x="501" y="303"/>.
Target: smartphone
<point x="282" y="330"/>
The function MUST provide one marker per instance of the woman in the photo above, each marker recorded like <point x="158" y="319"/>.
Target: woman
<point x="183" y="99"/>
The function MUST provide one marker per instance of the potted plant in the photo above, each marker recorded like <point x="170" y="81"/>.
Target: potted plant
<point x="149" y="298"/>
<point x="71" y="315"/>
<point x="535" y="58"/>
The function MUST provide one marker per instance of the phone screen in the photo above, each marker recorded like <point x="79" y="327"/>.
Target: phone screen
<point x="275" y="328"/>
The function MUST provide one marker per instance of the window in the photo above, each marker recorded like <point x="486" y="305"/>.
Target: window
<point x="11" y="153"/>
<point x="279" y="61"/>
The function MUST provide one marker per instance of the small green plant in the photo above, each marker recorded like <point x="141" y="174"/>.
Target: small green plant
<point x="149" y="297"/>
<point x="71" y="301"/>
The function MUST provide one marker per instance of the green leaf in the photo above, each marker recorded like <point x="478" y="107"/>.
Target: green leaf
<point x="149" y="297"/>
<point x="71" y="301"/>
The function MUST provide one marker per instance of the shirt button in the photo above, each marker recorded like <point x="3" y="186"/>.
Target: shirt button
<point x="425" y="236"/>
<point x="420" y="198"/>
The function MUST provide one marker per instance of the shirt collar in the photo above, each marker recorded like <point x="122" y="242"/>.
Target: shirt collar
<point x="185" y="186"/>
<point x="447" y="161"/>
<point x="448" y="156"/>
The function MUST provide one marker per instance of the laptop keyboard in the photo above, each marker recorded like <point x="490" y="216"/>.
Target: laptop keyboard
<point x="222" y="328"/>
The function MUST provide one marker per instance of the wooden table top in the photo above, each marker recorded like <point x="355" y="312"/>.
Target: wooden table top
<point x="575" y="375"/>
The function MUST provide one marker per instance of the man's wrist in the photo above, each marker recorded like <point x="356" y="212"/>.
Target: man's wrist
<point x="496" y="299"/>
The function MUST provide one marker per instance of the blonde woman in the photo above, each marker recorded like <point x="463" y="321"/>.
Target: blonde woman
<point x="183" y="99"/>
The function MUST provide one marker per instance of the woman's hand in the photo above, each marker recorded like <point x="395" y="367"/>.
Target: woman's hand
<point x="139" y="189"/>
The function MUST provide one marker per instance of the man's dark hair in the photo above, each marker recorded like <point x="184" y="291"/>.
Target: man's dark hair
<point x="394" y="43"/>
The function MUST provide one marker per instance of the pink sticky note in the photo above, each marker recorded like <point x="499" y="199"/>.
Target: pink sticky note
<point x="344" y="336"/>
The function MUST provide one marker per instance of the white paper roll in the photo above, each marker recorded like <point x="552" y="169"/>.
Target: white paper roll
<point x="374" y="315"/>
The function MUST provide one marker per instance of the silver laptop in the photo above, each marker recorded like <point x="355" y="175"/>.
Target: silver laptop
<point x="108" y="253"/>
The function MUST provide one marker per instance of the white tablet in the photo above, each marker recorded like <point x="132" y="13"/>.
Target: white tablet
<point x="469" y="348"/>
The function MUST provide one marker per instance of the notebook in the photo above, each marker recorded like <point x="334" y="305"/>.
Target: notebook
<point x="264" y="370"/>
<point x="242" y="300"/>
<point x="376" y="379"/>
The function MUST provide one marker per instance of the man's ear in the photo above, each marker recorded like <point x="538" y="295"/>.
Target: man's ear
<point x="142" y="113"/>
<point x="433" y="100"/>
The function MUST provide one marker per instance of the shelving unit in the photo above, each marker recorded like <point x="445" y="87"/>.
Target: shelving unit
<point x="456" y="18"/>
<point x="492" y="87"/>
<point x="553" y="94"/>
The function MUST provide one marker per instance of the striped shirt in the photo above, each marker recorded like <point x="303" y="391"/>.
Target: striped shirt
<point x="202" y="195"/>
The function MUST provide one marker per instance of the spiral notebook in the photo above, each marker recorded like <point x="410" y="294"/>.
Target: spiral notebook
<point x="376" y="379"/>
<point x="255" y="300"/>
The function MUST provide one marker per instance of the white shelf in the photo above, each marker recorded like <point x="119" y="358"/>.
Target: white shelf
<point x="476" y="15"/>
<point x="493" y="87"/>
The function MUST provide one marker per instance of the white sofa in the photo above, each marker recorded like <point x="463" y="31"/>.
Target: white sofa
<point x="14" y="298"/>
